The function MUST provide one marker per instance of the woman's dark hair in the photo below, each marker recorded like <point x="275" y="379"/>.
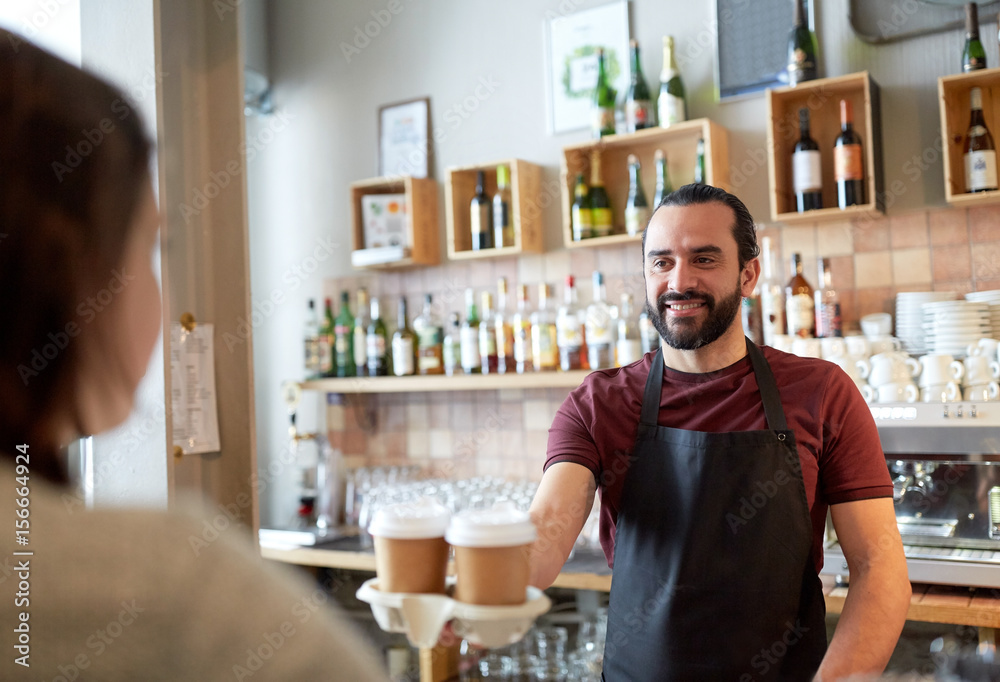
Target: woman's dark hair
<point x="74" y="163"/>
<point x="744" y="231"/>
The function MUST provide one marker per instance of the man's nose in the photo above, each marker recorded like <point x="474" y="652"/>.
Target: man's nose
<point x="683" y="277"/>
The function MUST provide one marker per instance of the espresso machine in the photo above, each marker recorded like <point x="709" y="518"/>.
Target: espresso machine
<point x="944" y="459"/>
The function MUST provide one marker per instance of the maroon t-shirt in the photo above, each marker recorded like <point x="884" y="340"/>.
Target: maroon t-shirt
<point x="837" y="440"/>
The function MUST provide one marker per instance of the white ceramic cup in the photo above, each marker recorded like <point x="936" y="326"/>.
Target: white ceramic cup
<point x="985" y="347"/>
<point x="869" y="393"/>
<point x="858" y="369"/>
<point x="884" y="344"/>
<point x="807" y="348"/>
<point x="940" y="368"/>
<point x="980" y="369"/>
<point x="833" y="347"/>
<point x="982" y="392"/>
<point x="859" y="346"/>
<point x="898" y="392"/>
<point x="889" y="368"/>
<point x="941" y="393"/>
<point x="876" y="324"/>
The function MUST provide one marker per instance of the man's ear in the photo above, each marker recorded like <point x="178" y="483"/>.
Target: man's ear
<point x="749" y="277"/>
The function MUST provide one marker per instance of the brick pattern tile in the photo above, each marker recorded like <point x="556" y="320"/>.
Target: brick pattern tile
<point x="871" y="235"/>
<point x="948" y="226"/>
<point x="909" y="230"/>
<point x="984" y="224"/>
<point x="949" y="263"/>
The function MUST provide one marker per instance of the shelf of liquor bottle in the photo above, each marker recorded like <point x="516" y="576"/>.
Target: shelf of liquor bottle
<point x="441" y="382"/>
<point x="821" y="99"/>
<point x="610" y="240"/>
<point x="407" y="236"/>
<point x="679" y="144"/>
<point x="954" y="98"/>
<point x="525" y="211"/>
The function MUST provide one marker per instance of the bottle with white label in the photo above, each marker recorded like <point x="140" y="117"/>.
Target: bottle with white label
<point x="807" y="174"/>
<point x="671" y="104"/>
<point x="800" y="307"/>
<point x="404" y="347"/>
<point x="628" y="348"/>
<point x="980" y="154"/>
<point x="647" y="333"/>
<point x="772" y="295"/>
<point x="569" y="330"/>
<point x="600" y="328"/>
<point x="471" y="361"/>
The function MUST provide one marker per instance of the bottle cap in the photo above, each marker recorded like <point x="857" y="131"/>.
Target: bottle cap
<point x="501" y="526"/>
<point x="425" y="518"/>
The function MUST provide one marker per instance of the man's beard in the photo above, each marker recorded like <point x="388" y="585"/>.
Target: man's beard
<point x="684" y="333"/>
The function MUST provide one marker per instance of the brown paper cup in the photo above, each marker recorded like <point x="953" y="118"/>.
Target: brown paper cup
<point x="492" y="576"/>
<point x="411" y="565"/>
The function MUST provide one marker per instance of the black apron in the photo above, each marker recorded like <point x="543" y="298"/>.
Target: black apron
<point x="713" y="575"/>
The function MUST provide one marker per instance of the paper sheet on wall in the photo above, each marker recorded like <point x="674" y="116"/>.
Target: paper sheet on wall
<point x="192" y="370"/>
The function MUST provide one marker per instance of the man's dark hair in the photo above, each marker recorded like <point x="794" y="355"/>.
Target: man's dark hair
<point x="744" y="231"/>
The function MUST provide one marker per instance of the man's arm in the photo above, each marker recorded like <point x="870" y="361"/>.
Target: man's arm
<point x="879" y="594"/>
<point x="559" y="510"/>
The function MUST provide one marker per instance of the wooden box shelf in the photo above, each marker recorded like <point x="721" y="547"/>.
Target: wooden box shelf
<point x="421" y="221"/>
<point x="822" y="99"/>
<point x="679" y="143"/>
<point x="953" y="97"/>
<point x="526" y="214"/>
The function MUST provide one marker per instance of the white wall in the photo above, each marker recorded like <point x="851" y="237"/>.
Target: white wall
<point x="52" y="24"/>
<point x="444" y="49"/>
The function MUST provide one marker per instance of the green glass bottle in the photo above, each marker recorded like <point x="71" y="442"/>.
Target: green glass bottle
<point x="638" y="104"/>
<point x="973" y="56"/>
<point x="503" y="227"/>
<point x="582" y="222"/>
<point x="376" y="341"/>
<point x="699" y="164"/>
<point x="600" y="204"/>
<point x="663" y="185"/>
<point x="636" y="206"/>
<point x="671" y="104"/>
<point x="801" y="48"/>
<point x="603" y="108"/>
<point x="327" y="367"/>
<point x="343" y="338"/>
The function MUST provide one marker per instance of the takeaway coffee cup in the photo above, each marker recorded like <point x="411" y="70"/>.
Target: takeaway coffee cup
<point x="411" y="554"/>
<point x="491" y="554"/>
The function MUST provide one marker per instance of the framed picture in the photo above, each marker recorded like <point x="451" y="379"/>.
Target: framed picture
<point x="404" y="139"/>
<point x="571" y="43"/>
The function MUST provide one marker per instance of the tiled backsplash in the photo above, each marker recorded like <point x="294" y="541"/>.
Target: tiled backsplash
<point x="466" y="433"/>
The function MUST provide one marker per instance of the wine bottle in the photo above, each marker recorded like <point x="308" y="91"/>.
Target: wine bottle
<point x="807" y="173"/>
<point x="361" y="321"/>
<point x="848" y="161"/>
<point x="772" y="295"/>
<point x="600" y="205"/>
<point x="378" y="362"/>
<point x="404" y="347"/>
<point x="470" y="335"/>
<point x="828" y="320"/>
<point x="569" y="330"/>
<point x="430" y="340"/>
<point x="482" y="231"/>
<point x="973" y="56"/>
<point x="488" y="358"/>
<point x="503" y="228"/>
<point x="980" y="154"/>
<point x="671" y="104"/>
<point x="663" y="185"/>
<point x="603" y="105"/>
<point x="638" y="105"/>
<point x="647" y="332"/>
<point x="504" y="331"/>
<point x="800" y="310"/>
<point x="600" y="328"/>
<point x="801" y="48"/>
<point x="451" y="348"/>
<point x="327" y="368"/>
<point x="582" y="221"/>
<point x="522" y="332"/>
<point x="310" y="336"/>
<point x="628" y="348"/>
<point x="544" y="351"/>
<point x="343" y="338"/>
<point x="636" y="207"/>
<point x="699" y="163"/>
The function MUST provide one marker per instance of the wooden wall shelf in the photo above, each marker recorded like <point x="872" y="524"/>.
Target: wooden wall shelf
<point x="526" y="214"/>
<point x="822" y="98"/>
<point x="459" y="382"/>
<point x="421" y="219"/>
<point x="679" y="142"/>
<point x="953" y="100"/>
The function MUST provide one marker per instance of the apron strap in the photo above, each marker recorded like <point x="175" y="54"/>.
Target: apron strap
<point x="650" y="415"/>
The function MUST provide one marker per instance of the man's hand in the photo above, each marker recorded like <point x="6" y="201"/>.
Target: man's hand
<point x="879" y="594"/>
<point x="559" y="510"/>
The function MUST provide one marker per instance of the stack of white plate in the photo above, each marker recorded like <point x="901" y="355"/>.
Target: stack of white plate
<point x="991" y="297"/>
<point x="950" y="326"/>
<point x="910" y="317"/>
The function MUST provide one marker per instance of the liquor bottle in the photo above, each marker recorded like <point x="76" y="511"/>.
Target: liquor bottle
<point x="848" y="161"/>
<point x="580" y="213"/>
<point x="801" y="48"/>
<point x="600" y="205"/>
<point x="663" y="185"/>
<point x="599" y="329"/>
<point x="310" y="337"/>
<point x="404" y="346"/>
<point x="361" y="333"/>
<point x="375" y="341"/>
<point x="980" y="154"/>
<point x="636" y="206"/>
<point x="638" y="104"/>
<point x="800" y="309"/>
<point x="671" y="105"/>
<point x="752" y="317"/>
<point x="807" y="173"/>
<point x="699" y="163"/>
<point x="327" y="368"/>
<point x="544" y="351"/>
<point x="828" y="321"/>
<point x="973" y="56"/>
<point x="504" y="331"/>
<point x="430" y="340"/>
<point x="772" y="295"/>
<point x="628" y="348"/>
<point x="569" y="329"/>
<point x="488" y="357"/>
<point x="521" y="324"/>
<point x="647" y="332"/>
<point x="603" y="105"/>
<point x="343" y="338"/>
<point x="470" y="335"/>
<point x="503" y="228"/>
<point x="482" y="229"/>
<point x="451" y="349"/>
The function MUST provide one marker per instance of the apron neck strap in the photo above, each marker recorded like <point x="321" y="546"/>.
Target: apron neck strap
<point x="773" y="411"/>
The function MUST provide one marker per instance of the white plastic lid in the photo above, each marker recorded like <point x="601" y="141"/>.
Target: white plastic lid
<point x="425" y="518"/>
<point x="502" y="526"/>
